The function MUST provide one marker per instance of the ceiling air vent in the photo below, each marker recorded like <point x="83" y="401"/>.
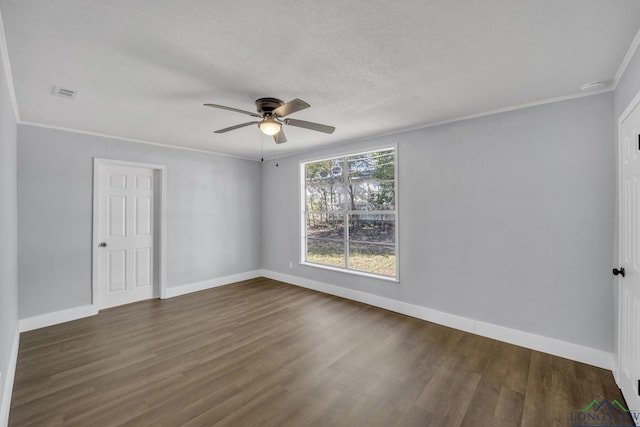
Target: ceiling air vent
<point x="64" y="93"/>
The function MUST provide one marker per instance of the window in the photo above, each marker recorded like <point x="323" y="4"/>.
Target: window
<point x="349" y="213"/>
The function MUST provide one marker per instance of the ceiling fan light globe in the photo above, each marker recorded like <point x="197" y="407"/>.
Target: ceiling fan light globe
<point x="269" y="126"/>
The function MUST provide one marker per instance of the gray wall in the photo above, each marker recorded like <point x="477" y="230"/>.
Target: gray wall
<point x="8" y="228"/>
<point x="506" y="219"/>
<point x="213" y="214"/>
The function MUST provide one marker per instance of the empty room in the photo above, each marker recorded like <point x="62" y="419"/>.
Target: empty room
<point x="297" y="213"/>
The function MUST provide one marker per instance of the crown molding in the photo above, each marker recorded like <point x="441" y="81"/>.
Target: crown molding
<point x="627" y="58"/>
<point x="134" y="140"/>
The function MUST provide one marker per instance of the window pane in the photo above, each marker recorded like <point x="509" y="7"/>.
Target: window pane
<point x="325" y="226"/>
<point x="326" y="172"/>
<point x="357" y="192"/>
<point x="327" y="252"/>
<point x="371" y="195"/>
<point x="373" y="258"/>
<point x="374" y="228"/>
<point x="379" y="165"/>
<point x="325" y="198"/>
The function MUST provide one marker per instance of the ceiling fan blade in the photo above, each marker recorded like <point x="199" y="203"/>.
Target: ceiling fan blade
<point x="290" y="107"/>
<point x="233" y="109"/>
<point x="310" y="125"/>
<point x="234" y="127"/>
<point x="279" y="137"/>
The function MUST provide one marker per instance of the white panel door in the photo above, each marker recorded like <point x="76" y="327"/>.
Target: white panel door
<point x="125" y="235"/>
<point x="629" y="289"/>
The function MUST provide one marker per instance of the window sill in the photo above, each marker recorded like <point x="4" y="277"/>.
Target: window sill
<point x="354" y="272"/>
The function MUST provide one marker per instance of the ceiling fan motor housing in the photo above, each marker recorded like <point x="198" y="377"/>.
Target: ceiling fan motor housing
<point x="266" y="106"/>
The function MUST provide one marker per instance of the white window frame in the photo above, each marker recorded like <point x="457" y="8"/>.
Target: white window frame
<point x="303" y="212"/>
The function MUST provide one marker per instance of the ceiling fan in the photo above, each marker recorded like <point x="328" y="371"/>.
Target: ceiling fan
<point x="271" y="112"/>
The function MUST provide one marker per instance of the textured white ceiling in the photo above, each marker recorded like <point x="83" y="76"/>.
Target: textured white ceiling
<point x="143" y="68"/>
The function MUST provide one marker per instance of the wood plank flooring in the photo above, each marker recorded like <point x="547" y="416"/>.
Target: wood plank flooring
<point x="264" y="353"/>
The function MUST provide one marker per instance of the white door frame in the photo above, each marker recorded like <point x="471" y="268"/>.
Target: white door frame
<point x="160" y="171"/>
<point x="619" y="145"/>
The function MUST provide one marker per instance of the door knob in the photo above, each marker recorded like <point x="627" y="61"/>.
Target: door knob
<point x="104" y="245"/>
<point x="618" y="271"/>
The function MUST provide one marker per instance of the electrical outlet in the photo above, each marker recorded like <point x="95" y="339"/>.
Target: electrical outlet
<point x="290" y="264"/>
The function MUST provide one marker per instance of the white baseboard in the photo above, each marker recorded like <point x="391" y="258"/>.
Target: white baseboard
<point x="188" y="288"/>
<point x="56" y="317"/>
<point x="7" y="382"/>
<point x="615" y="368"/>
<point x="62" y="316"/>
<point x="579" y="353"/>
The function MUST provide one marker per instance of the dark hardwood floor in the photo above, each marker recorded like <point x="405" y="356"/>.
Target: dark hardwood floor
<point x="264" y="353"/>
